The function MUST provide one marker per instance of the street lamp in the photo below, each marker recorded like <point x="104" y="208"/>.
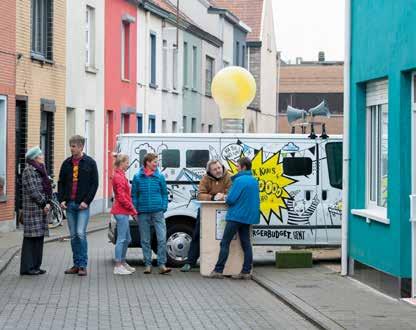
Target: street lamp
<point x="233" y="89"/>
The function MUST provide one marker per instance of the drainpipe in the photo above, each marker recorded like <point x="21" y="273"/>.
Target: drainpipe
<point x="346" y="142"/>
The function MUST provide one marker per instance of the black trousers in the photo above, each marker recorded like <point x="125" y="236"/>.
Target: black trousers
<point x="32" y="252"/>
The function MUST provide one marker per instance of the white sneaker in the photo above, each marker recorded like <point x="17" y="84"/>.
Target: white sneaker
<point x="129" y="268"/>
<point x="121" y="271"/>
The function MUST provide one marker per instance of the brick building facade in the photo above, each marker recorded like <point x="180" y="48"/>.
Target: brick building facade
<point x="7" y="113"/>
<point x="305" y="85"/>
<point x="40" y="82"/>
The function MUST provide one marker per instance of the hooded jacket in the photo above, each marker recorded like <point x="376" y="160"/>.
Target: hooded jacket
<point x="210" y="186"/>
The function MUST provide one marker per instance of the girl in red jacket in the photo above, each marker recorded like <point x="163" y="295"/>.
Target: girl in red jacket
<point x="122" y="210"/>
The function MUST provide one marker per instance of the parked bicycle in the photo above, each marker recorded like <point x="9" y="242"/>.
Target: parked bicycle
<point x="56" y="214"/>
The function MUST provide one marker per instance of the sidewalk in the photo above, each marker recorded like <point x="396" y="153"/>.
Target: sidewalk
<point x="333" y="301"/>
<point x="10" y="243"/>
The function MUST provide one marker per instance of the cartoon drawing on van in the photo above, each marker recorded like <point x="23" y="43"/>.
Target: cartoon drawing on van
<point x="299" y="179"/>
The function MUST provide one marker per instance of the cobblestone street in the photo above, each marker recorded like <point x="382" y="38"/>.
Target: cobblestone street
<point x="102" y="300"/>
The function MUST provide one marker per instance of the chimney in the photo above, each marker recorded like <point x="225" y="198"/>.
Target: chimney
<point x="321" y="56"/>
<point x="298" y="60"/>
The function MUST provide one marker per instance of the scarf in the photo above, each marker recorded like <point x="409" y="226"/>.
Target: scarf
<point x="46" y="183"/>
<point x="148" y="172"/>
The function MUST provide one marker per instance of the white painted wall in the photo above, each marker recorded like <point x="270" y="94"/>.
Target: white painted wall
<point x="85" y="90"/>
<point x="172" y="104"/>
<point x="197" y="10"/>
<point x="149" y="100"/>
<point x="210" y="112"/>
<point x="268" y="106"/>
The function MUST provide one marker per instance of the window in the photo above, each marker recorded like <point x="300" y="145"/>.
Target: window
<point x="175" y="69"/>
<point x="194" y="67"/>
<point x="209" y="73"/>
<point x="125" y="124"/>
<point x="185" y="64"/>
<point x="153" y="59"/>
<point x="152" y="124"/>
<point x="174" y="127"/>
<point x="42" y="22"/>
<point x="225" y="64"/>
<point x="90" y="37"/>
<point x="70" y="126"/>
<point x="193" y="125"/>
<point x="171" y="158"/>
<point x="125" y="51"/>
<point x="210" y="128"/>
<point x="237" y="53"/>
<point x="164" y="128"/>
<point x="297" y="166"/>
<point x="165" y="65"/>
<point x="243" y="57"/>
<point x="202" y="128"/>
<point x="89" y="133"/>
<point x="377" y="155"/>
<point x="334" y="161"/>
<point x="139" y="123"/>
<point x="3" y="147"/>
<point x="142" y="154"/>
<point x="47" y="138"/>
<point x="184" y="122"/>
<point x="197" y="158"/>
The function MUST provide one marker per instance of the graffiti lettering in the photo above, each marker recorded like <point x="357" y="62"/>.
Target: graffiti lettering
<point x="270" y="233"/>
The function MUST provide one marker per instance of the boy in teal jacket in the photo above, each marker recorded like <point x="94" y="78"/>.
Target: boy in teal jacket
<point x="244" y="210"/>
<point x="150" y="198"/>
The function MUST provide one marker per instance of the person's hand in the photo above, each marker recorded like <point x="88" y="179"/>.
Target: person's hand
<point x="83" y="206"/>
<point x="46" y="208"/>
<point x="63" y="205"/>
<point x="219" y="197"/>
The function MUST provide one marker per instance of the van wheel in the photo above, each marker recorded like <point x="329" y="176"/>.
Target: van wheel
<point x="178" y="241"/>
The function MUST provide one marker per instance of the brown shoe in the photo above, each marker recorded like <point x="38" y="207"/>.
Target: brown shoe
<point x="82" y="271"/>
<point x="215" y="274"/>
<point x="163" y="270"/>
<point x="241" y="276"/>
<point x="148" y="270"/>
<point x="72" y="271"/>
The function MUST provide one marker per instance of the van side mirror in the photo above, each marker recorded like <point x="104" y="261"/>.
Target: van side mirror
<point x="297" y="166"/>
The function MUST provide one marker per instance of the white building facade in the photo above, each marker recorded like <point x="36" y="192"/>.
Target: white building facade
<point x="85" y="81"/>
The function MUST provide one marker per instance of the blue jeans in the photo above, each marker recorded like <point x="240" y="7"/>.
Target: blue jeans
<point x="77" y="224"/>
<point x="146" y="221"/>
<point x="123" y="237"/>
<point x="194" y="249"/>
<point x="243" y="230"/>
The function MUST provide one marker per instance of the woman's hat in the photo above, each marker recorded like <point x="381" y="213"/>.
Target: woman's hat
<point x="33" y="153"/>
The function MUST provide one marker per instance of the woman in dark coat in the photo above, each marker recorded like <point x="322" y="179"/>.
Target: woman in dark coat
<point x="37" y="192"/>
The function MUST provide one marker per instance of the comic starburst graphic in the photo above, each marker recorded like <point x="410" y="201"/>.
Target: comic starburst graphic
<point x="272" y="184"/>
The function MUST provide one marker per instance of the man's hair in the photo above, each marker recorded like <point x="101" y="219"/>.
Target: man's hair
<point x="212" y="162"/>
<point x="245" y="162"/>
<point x="77" y="139"/>
<point x="149" y="158"/>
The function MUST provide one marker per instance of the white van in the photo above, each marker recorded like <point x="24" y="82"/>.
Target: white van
<point x="300" y="184"/>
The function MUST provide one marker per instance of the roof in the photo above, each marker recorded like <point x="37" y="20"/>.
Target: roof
<point x="167" y="6"/>
<point x="249" y="11"/>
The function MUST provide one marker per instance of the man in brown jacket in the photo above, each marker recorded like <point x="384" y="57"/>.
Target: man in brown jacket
<point x="213" y="187"/>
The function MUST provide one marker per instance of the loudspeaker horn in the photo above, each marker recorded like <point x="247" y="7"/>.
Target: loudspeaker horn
<point x="320" y="110"/>
<point x="294" y="114"/>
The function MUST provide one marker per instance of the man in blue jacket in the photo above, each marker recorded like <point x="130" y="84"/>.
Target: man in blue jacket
<point x="244" y="210"/>
<point x="150" y="198"/>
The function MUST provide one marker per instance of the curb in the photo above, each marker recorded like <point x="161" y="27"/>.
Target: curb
<point x="47" y="240"/>
<point x="299" y="306"/>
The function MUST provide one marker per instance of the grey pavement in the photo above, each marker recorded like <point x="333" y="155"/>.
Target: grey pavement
<point x="10" y="243"/>
<point x="105" y="301"/>
<point x="336" y="301"/>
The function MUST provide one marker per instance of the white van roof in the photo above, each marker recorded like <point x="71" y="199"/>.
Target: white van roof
<point x="223" y="136"/>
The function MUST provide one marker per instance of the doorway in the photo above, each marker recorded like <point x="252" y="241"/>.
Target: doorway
<point x="20" y="151"/>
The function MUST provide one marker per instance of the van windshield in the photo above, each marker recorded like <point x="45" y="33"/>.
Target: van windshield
<point x="334" y="159"/>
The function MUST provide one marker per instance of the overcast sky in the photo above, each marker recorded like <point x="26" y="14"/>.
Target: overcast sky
<point x="305" y="27"/>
